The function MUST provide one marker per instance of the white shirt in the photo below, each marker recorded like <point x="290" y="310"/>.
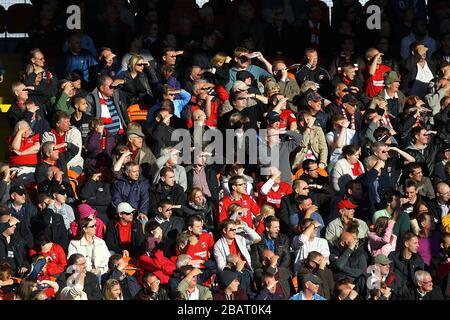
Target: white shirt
<point x="350" y="138"/>
<point x="305" y="246"/>
<point x="194" y="295"/>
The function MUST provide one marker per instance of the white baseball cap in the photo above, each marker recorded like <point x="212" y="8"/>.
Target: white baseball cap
<point x="125" y="207"/>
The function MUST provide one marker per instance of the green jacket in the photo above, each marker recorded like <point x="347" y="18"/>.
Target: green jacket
<point x="204" y="292"/>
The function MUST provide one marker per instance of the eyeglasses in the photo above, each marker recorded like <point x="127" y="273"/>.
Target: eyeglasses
<point x="141" y="64"/>
<point x="127" y="213"/>
<point x="93" y="226"/>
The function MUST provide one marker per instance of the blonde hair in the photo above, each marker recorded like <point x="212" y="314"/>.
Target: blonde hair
<point x="134" y="125"/>
<point x="107" y="288"/>
<point x="306" y="85"/>
<point x="133" y="61"/>
<point x="239" y="50"/>
<point x="267" y="209"/>
<point x="218" y="58"/>
<point x="232" y="208"/>
<point x="376" y="102"/>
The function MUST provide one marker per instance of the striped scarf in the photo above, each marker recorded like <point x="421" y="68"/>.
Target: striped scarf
<point x="386" y="121"/>
<point x="352" y="121"/>
<point x="108" y="119"/>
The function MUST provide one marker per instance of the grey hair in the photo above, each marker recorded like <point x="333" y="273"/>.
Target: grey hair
<point x="198" y="83"/>
<point x="419" y="276"/>
<point x="377" y="146"/>
<point x="17" y="126"/>
<point x="183" y="260"/>
<point x="46" y="148"/>
<point x="368" y="160"/>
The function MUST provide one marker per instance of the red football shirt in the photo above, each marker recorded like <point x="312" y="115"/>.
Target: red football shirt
<point x="375" y="83"/>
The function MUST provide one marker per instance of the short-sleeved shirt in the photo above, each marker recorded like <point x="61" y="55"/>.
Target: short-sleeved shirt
<point x="375" y="82"/>
<point x="29" y="159"/>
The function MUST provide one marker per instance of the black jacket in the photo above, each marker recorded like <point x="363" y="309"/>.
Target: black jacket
<point x="347" y="263"/>
<point x="174" y="194"/>
<point x="413" y="294"/>
<point x="112" y="238"/>
<point x="129" y="284"/>
<point x="41" y="169"/>
<point x="159" y="137"/>
<point x="17" y="246"/>
<point x="91" y="285"/>
<point x="406" y="268"/>
<point x="288" y="207"/>
<point x="25" y="215"/>
<point x="146" y="294"/>
<point x="97" y="194"/>
<point x="51" y="224"/>
<point x="281" y="249"/>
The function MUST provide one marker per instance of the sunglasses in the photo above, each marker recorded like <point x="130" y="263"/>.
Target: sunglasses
<point x="141" y="64"/>
<point x="127" y="213"/>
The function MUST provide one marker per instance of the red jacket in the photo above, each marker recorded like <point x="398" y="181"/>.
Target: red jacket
<point x="245" y="202"/>
<point x="203" y="249"/>
<point x="273" y="197"/>
<point x="58" y="262"/>
<point x="157" y="263"/>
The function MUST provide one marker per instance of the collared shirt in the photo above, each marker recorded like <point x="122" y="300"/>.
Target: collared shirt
<point x="199" y="180"/>
<point x="194" y="295"/>
<point x="444" y="208"/>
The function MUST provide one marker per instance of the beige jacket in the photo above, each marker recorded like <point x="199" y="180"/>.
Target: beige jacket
<point x="314" y="140"/>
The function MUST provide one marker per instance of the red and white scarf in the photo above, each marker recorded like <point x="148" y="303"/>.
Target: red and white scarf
<point x="386" y="121"/>
<point x="105" y="116"/>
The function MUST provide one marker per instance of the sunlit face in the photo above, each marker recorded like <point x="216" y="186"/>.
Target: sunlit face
<point x="426" y="284"/>
<point x="63" y="124"/>
<point x="199" y="198"/>
<point x="82" y="105"/>
<point x="274" y="229"/>
<point x="38" y="59"/>
<point x="116" y="291"/>
<point x="411" y="194"/>
<point x="197" y="228"/>
<point x="412" y="245"/>
<point x="354" y="157"/>
<point x="166" y="211"/>
<point x="133" y="173"/>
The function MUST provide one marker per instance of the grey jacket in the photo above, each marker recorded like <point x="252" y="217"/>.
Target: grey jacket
<point x="94" y="108"/>
<point x="268" y="157"/>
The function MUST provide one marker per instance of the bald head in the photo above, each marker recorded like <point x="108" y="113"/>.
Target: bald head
<point x="347" y="238"/>
<point x="443" y="191"/>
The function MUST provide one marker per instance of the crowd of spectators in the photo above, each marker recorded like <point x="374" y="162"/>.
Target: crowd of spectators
<point x="97" y="202"/>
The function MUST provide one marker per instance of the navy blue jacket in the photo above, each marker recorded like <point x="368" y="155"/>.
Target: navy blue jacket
<point x="136" y="193"/>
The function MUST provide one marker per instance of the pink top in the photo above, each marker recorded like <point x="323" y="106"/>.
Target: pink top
<point x="385" y="244"/>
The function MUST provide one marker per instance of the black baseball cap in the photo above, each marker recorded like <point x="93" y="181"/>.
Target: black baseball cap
<point x="19" y="189"/>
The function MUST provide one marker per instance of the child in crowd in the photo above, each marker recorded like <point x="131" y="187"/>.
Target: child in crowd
<point x="79" y="118"/>
<point x="99" y="145"/>
<point x="60" y="206"/>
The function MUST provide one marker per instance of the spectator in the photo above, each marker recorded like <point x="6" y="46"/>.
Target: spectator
<point x="91" y="247"/>
<point x="124" y="235"/>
